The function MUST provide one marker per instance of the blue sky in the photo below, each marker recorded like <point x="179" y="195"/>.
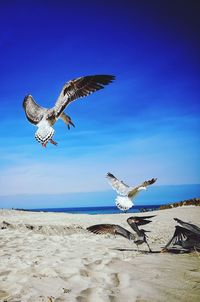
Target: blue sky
<point x="144" y="125"/>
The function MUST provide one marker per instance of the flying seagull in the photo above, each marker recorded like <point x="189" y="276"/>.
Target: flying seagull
<point x="45" y="118"/>
<point x="187" y="236"/>
<point x="139" y="238"/>
<point x="124" y="201"/>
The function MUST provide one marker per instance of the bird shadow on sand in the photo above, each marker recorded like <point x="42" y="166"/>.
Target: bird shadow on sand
<point x="135" y="250"/>
<point x="176" y="251"/>
<point x="171" y="251"/>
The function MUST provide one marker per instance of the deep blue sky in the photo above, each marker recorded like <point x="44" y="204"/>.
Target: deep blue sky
<point x="145" y="124"/>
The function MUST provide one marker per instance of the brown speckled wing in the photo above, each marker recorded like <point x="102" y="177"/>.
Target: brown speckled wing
<point x="79" y="88"/>
<point x="33" y="111"/>
<point x="113" y="229"/>
<point x="102" y="229"/>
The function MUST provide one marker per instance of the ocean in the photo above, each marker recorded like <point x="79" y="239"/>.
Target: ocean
<point x="98" y="210"/>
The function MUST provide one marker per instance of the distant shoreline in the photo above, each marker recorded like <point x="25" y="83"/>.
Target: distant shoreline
<point x="188" y="202"/>
<point x="113" y="209"/>
<point x="93" y="210"/>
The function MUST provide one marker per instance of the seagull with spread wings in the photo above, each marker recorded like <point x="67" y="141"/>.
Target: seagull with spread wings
<point x="45" y="118"/>
<point x="186" y="236"/>
<point x="126" y="193"/>
<point x="139" y="237"/>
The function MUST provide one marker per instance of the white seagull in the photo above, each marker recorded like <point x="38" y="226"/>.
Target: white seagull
<point x="45" y="118"/>
<point x="124" y="201"/>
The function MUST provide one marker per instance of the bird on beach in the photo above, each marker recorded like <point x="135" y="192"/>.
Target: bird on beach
<point x="124" y="201"/>
<point x="187" y="236"/>
<point x="45" y="118"/>
<point x="138" y="238"/>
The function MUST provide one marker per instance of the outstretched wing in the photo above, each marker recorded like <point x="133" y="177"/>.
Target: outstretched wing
<point x="33" y="111"/>
<point x="140" y="220"/>
<point x="191" y="227"/>
<point x="142" y="186"/>
<point x="135" y="221"/>
<point x="113" y="229"/>
<point x="117" y="184"/>
<point x="78" y="88"/>
<point x="180" y="234"/>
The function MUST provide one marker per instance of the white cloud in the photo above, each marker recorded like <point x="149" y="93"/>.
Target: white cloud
<point x="79" y="164"/>
<point x="133" y="161"/>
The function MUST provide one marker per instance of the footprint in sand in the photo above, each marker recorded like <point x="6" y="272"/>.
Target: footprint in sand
<point x="98" y="272"/>
<point x="90" y="295"/>
<point x="97" y="294"/>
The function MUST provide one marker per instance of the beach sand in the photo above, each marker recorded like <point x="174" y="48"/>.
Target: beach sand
<point x="50" y="257"/>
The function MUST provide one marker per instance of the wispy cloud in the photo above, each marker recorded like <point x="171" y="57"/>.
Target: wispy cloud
<point x="76" y="166"/>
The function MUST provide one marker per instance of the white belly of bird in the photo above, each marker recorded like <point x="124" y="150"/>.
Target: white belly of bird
<point x="123" y="203"/>
<point x="44" y="132"/>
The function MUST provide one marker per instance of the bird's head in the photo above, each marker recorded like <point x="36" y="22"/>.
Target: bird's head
<point x="44" y="134"/>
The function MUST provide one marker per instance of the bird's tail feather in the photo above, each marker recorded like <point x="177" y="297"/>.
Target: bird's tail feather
<point x="123" y="203"/>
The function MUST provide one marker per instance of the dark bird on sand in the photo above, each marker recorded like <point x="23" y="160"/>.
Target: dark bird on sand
<point x="186" y="236"/>
<point x="138" y="238"/>
<point x="45" y="118"/>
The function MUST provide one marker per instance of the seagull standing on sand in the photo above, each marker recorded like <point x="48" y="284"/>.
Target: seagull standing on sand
<point x="187" y="236"/>
<point x="139" y="238"/>
<point x="45" y="118"/>
<point x="124" y="201"/>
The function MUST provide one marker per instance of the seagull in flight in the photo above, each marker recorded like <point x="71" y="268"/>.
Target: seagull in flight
<point x="126" y="193"/>
<point x="139" y="237"/>
<point x="45" y="118"/>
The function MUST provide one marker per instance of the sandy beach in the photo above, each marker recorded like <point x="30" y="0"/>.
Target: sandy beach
<point x="51" y="257"/>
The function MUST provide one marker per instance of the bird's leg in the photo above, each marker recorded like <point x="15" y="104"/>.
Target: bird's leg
<point x="67" y="120"/>
<point x="44" y="145"/>
<point x="149" y="247"/>
<point x="70" y="122"/>
<point x="52" y="142"/>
